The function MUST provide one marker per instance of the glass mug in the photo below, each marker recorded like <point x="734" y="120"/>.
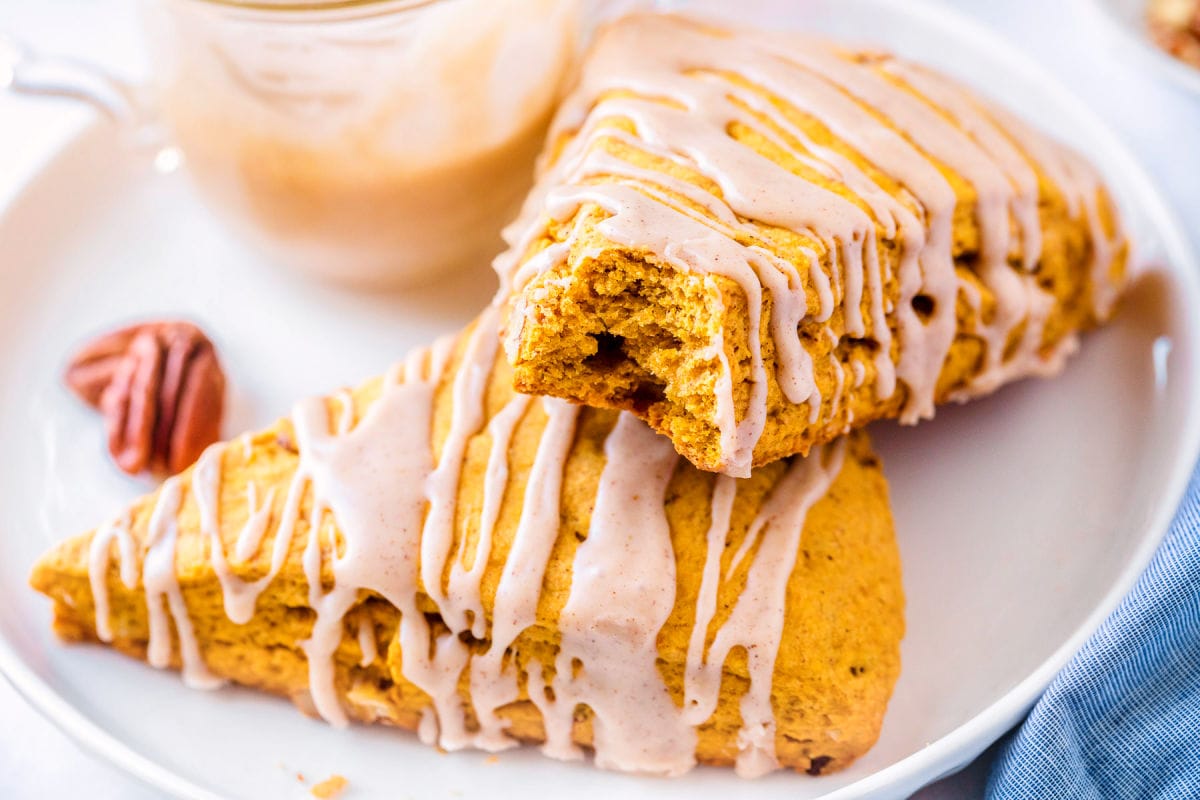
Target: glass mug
<point x="376" y="143"/>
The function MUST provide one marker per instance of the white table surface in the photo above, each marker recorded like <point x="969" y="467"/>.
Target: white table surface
<point x="1161" y="123"/>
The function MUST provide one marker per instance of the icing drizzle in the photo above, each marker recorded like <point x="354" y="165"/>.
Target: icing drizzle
<point x="164" y="597"/>
<point x="98" y="555"/>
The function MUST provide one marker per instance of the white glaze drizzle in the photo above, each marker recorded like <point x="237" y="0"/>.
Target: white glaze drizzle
<point x="839" y="380"/>
<point x="465" y="581"/>
<point x="239" y="596"/>
<point x="164" y="597"/>
<point x="859" y="372"/>
<point x="371" y="479"/>
<point x="515" y="606"/>
<point x="427" y="728"/>
<point x="622" y="592"/>
<point x="98" y="555"/>
<point x="720" y="516"/>
<point x="1036" y="304"/>
<point x="470" y="383"/>
<point x="1104" y="245"/>
<point x="1081" y="188"/>
<point x="975" y="121"/>
<point x="756" y="621"/>
<point x="258" y="517"/>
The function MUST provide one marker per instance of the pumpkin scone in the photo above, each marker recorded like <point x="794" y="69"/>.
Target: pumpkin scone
<point x="757" y="241"/>
<point x="436" y="552"/>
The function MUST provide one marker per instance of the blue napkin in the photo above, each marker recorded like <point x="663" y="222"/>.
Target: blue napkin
<point x="1123" y="719"/>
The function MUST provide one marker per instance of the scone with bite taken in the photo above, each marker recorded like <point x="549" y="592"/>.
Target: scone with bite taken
<point x="758" y="241"/>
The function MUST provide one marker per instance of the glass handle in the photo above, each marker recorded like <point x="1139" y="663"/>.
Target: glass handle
<point x="26" y="72"/>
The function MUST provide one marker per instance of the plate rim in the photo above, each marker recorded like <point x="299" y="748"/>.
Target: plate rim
<point x="958" y="747"/>
<point x="1178" y="73"/>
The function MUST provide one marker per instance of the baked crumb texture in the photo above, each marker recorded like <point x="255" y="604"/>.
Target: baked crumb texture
<point x="757" y="242"/>
<point x="812" y="674"/>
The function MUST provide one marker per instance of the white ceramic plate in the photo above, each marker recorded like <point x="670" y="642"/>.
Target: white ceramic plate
<point x="1023" y="518"/>
<point x="1126" y="23"/>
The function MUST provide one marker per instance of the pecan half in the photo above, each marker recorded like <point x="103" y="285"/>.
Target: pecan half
<point x="161" y="390"/>
<point x="1174" y="25"/>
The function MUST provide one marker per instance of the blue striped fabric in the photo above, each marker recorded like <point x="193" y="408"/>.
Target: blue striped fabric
<point x="1123" y="719"/>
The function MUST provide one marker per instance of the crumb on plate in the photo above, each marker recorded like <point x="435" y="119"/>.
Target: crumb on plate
<point x="330" y="788"/>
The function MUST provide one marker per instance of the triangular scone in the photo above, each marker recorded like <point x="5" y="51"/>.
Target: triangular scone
<point x="756" y="241"/>
<point x="573" y="553"/>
